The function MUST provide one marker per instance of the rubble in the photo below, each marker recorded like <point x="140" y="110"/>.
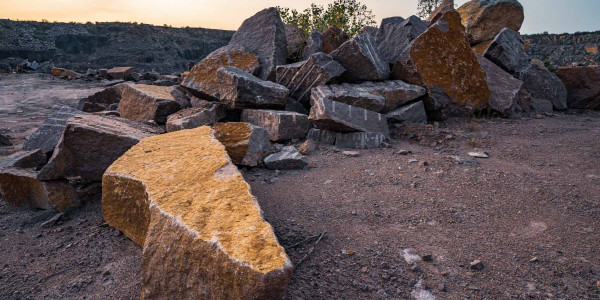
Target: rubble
<point x="360" y="59"/>
<point x="319" y="69"/>
<point x="122" y="73"/>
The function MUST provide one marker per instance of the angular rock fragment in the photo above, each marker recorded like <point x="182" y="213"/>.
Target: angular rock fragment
<point x="483" y="19"/>
<point x="33" y="159"/>
<point x="47" y="136"/>
<point x="285" y="73"/>
<point x="394" y="38"/>
<point x="445" y="6"/>
<point x="199" y="205"/>
<point x="101" y="100"/>
<point x="295" y="42"/>
<point x="90" y="144"/>
<point x="122" y="73"/>
<point x="371" y="30"/>
<point x="309" y="146"/>
<point x="288" y="158"/>
<point x="413" y="113"/>
<point x="202" y="79"/>
<point x="541" y="105"/>
<point x="245" y="143"/>
<point x="359" y="140"/>
<point x="386" y="21"/>
<point x="543" y="84"/>
<point x="332" y="38"/>
<point x="264" y="35"/>
<point x="195" y="117"/>
<point x="583" y="86"/>
<point x="504" y="89"/>
<point x="240" y="89"/>
<point x="314" y="44"/>
<point x="319" y="69"/>
<point x="507" y="50"/>
<point x="360" y="58"/>
<point x="281" y="125"/>
<point x="322" y="136"/>
<point x="141" y="102"/>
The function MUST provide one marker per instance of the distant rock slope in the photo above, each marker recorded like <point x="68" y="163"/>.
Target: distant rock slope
<point x="104" y="45"/>
<point x="565" y="49"/>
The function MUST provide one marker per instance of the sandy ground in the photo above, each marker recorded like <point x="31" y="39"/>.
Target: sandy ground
<point x="530" y="213"/>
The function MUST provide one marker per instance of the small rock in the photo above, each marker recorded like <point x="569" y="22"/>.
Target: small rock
<point x="52" y="221"/>
<point x="410" y="256"/>
<point x="479" y="154"/>
<point x="308" y="147"/>
<point x="428" y="257"/>
<point x="351" y="153"/>
<point x="476" y="265"/>
<point x="287" y="158"/>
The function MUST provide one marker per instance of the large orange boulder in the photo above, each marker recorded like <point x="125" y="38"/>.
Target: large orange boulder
<point x="484" y="19"/>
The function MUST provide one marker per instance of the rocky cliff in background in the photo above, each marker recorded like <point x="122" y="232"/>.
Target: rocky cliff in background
<point x="104" y="45"/>
<point x="565" y="49"/>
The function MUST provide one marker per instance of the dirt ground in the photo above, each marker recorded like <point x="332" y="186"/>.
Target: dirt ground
<point x="530" y="213"/>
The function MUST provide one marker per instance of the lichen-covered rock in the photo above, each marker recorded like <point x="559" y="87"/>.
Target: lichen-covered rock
<point x="197" y="116"/>
<point x="143" y="103"/>
<point x="483" y="19"/>
<point x="583" y="86"/>
<point x="245" y="143"/>
<point x="507" y="50"/>
<point x="102" y="100"/>
<point x="202" y="79"/>
<point x="201" y="228"/>
<point x="264" y="35"/>
<point x="122" y="73"/>
<point x="288" y="158"/>
<point x="442" y="60"/>
<point x="445" y="6"/>
<point x="314" y="44"/>
<point x="240" y="89"/>
<point x="504" y="89"/>
<point x="394" y="38"/>
<point x="413" y="113"/>
<point x="33" y="159"/>
<point x="46" y="137"/>
<point x="319" y="69"/>
<point x="281" y="125"/>
<point x="360" y="58"/>
<point x="332" y="38"/>
<point x="543" y="84"/>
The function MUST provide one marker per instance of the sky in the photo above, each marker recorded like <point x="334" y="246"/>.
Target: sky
<point x="554" y="16"/>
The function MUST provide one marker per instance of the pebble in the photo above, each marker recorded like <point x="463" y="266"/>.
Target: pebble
<point x="479" y="154"/>
<point x="476" y="265"/>
<point x="403" y="152"/>
<point x="351" y="153"/>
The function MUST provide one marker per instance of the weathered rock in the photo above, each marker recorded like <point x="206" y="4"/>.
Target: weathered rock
<point x="583" y="86"/>
<point x="359" y="140"/>
<point x="47" y="136"/>
<point x="371" y="30"/>
<point x="141" y="102"/>
<point x="285" y="73"/>
<point x="543" y="84"/>
<point x="264" y="35"/>
<point x="21" y="188"/>
<point x="295" y="106"/>
<point x="413" y="113"/>
<point x="245" y="143"/>
<point x="199" y="205"/>
<point x="507" y="50"/>
<point x="101" y="100"/>
<point x="122" y="73"/>
<point x="295" y="42"/>
<point x="202" y="79"/>
<point x="504" y="89"/>
<point x="319" y="69"/>
<point x="90" y="144"/>
<point x="483" y="19"/>
<point x="194" y="117"/>
<point x="288" y="158"/>
<point x="341" y="117"/>
<point x="281" y="125"/>
<point x="360" y="58"/>
<point x="65" y="73"/>
<point x="524" y="99"/>
<point x="240" y="89"/>
<point x="314" y="44"/>
<point x="394" y="38"/>
<point x="4" y="140"/>
<point x="307" y="147"/>
<point x="445" y="6"/>
<point x="540" y="105"/>
<point x="386" y="21"/>
<point x="426" y="62"/>
<point x="322" y="136"/>
<point x="381" y="96"/>
<point x="332" y="38"/>
<point x="33" y="159"/>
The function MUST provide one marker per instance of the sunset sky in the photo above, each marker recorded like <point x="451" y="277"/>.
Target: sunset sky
<point x="555" y="16"/>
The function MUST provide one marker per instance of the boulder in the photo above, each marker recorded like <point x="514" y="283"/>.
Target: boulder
<point x="386" y="21"/>
<point x="264" y="35"/>
<point x="394" y="38"/>
<point x="101" y="100"/>
<point x="21" y="188"/>
<point x="319" y="69"/>
<point x="194" y="117"/>
<point x="122" y="73"/>
<point x="143" y="103"/>
<point x="314" y="44"/>
<point x="90" y="144"/>
<point x="361" y="60"/>
<point x="412" y="113"/>
<point x="240" y="89"/>
<point x="322" y="136"/>
<point x="295" y="42"/>
<point x="433" y="59"/>
<point x="445" y="6"/>
<point x="541" y="105"/>
<point x="285" y="73"/>
<point x="64" y="73"/>
<point x="194" y="215"/>
<point x="46" y="137"/>
<point x="583" y="86"/>
<point x="33" y="159"/>
<point x="504" y="88"/>
<point x="483" y="19"/>
<point x="543" y="84"/>
<point x="288" y="158"/>
<point x="281" y="125"/>
<point x="507" y="50"/>
<point x="245" y="143"/>
<point x="202" y="79"/>
<point x="332" y="38"/>
<point x="341" y="117"/>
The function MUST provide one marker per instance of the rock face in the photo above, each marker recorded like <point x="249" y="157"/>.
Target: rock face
<point x="543" y="84"/>
<point x="21" y="188"/>
<point x="264" y="35"/>
<point x="428" y="58"/>
<point x="200" y="206"/>
<point x="361" y="60"/>
<point x="583" y="86"/>
<point x="483" y="19"/>
<point x="121" y="73"/>
<point x="90" y="144"/>
<point x="314" y="44"/>
<point x="581" y="48"/>
<point x="445" y="6"/>
<point x="34" y="159"/>
<point x="281" y="125"/>
<point x="246" y="144"/>
<point x="332" y="38"/>
<point x="507" y="50"/>
<point x="504" y="89"/>
<point x="319" y="69"/>
<point x="394" y="38"/>
<point x="413" y="113"/>
<point x="240" y="89"/>
<point x="47" y="136"/>
<point x="141" y="102"/>
<point x="288" y="158"/>
<point x="101" y="100"/>
<point x="202" y="79"/>
<point x="195" y="117"/>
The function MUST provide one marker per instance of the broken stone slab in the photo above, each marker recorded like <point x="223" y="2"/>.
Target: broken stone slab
<point x="281" y="125"/>
<point x="33" y="159"/>
<point x="288" y="158"/>
<point x="90" y="144"/>
<point x="101" y="100"/>
<point x="195" y="117"/>
<point x="285" y="73"/>
<point x="245" y="143"/>
<point x="322" y="136"/>
<point x="143" y="103"/>
<point x="240" y="89"/>
<point x="394" y="38"/>
<point x="583" y="86"/>
<point x="46" y="137"/>
<point x="428" y="59"/>
<point x="332" y="38"/>
<point x="200" y="206"/>
<point x="507" y="50"/>
<point x="351" y="94"/>
<point x="64" y="73"/>
<point x="202" y="79"/>
<point x="360" y="58"/>
<point x="412" y="113"/>
<point x="359" y="140"/>
<point x="541" y="105"/>
<point x="504" y="88"/>
<point x="445" y="6"/>
<point x="543" y="84"/>
<point x="264" y="35"/>
<point x="314" y="44"/>
<point x="319" y="69"/>
<point x="483" y="19"/>
<point x="20" y="187"/>
<point x="119" y="73"/>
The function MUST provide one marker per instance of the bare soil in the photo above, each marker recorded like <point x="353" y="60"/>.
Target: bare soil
<point x="530" y="213"/>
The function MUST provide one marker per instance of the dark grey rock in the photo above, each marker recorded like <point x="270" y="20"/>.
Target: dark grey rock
<point x="507" y="50"/>
<point x="314" y="44"/>
<point x="195" y="117"/>
<point x="319" y="69"/>
<point x="288" y="158"/>
<point x="295" y="42"/>
<point x="361" y="59"/>
<point x="34" y="159"/>
<point x="333" y="37"/>
<point x="543" y="84"/>
<point x="295" y="106"/>
<point x="101" y="100"/>
<point x="394" y="38"/>
<point x="240" y="89"/>
<point x="281" y="125"/>
<point x="4" y="140"/>
<point x="47" y="136"/>
<point x="322" y="136"/>
<point x="359" y="140"/>
<point x="386" y="21"/>
<point x="540" y="105"/>
<point x="413" y="113"/>
<point x="504" y="89"/>
<point x="285" y="73"/>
